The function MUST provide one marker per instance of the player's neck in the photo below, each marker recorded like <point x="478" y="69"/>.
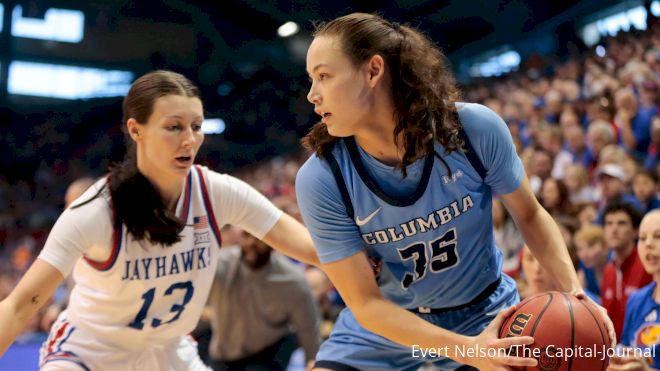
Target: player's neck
<point x="170" y="192"/>
<point x="377" y="139"/>
<point x="169" y="188"/>
<point x="382" y="149"/>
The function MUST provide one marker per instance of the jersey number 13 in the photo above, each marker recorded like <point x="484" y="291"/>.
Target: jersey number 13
<point x="177" y="309"/>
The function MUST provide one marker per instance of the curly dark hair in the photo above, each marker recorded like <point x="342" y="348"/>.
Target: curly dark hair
<point x="423" y="88"/>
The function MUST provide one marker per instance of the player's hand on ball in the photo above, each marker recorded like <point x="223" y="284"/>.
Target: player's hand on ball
<point x="488" y="339"/>
<point x="580" y="294"/>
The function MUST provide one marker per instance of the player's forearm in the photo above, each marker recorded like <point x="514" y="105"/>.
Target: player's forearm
<point x="291" y="238"/>
<point x="403" y="327"/>
<point x="544" y="239"/>
<point x="32" y="292"/>
<point x="299" y="250"/>
<point x="12" y="323"/>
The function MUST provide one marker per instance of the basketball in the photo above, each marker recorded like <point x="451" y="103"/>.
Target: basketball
<point x="569" y="334"/>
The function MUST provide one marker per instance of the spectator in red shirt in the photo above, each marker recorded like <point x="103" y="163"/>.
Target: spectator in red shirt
<point x="625" y="273"/>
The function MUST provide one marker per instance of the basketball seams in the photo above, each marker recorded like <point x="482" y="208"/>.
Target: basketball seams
<point x="538" y="319"/>
<point x="570" y="312"/>
<point x="555" y="311"/>
<point x="602" y="336"/>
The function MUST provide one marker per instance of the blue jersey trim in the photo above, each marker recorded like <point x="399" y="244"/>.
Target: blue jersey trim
<point x="341" y="183"/>
<point x="408" y="200"/>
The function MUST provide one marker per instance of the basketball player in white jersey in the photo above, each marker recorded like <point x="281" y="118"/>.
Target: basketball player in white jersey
<point x="142" y="244"/>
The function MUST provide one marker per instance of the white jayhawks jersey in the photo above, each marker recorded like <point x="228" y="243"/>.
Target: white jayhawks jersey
<point x="131" y="294"/>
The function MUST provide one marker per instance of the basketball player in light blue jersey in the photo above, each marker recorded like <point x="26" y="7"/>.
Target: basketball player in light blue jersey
<point x="403" y="176"/>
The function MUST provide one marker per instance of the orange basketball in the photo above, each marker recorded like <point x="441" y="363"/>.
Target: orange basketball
<point x="569" y="334"/>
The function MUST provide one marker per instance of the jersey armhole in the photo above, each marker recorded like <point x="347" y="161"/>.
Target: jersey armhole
<point x="117" y="236"/>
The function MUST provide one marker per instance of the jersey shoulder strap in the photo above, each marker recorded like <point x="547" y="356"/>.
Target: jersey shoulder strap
<point x="341" y="183"/>
<point x="470" y="153"/>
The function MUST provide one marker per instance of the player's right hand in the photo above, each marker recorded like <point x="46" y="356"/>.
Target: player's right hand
<point x="488" y="343"/>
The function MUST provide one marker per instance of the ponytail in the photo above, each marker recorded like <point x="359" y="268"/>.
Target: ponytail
<point x="138" y="205"/>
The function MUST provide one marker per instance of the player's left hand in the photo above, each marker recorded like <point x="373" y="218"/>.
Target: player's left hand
<point x="580" y="294"/>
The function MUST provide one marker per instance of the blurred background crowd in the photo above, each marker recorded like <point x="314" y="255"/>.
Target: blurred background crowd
<point x="584" y="119"/>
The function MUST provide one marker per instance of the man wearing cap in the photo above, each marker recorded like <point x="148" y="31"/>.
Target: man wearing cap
<point x="612" y="184"/>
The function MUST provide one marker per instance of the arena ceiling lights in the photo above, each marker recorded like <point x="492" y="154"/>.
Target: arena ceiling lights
<point x="55" y="80"/>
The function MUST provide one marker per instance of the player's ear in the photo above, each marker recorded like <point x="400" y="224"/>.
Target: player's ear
<point x="375" y="69"/>
<point x="133" y="129"/>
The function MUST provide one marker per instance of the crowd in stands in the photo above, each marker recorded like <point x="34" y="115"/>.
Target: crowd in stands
<point x="587" y="130"/>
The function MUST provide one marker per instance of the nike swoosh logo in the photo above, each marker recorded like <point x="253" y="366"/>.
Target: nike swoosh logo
<point x="366" y="220"/>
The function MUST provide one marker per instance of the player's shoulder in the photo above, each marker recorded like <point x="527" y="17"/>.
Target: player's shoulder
<point x="89" y="217"/>
<point x="215" y="179"/>
<point x="208" y="174"/>
<point x="315" y="171"/>
<point x="476" y="117"/>
<point x="93" y="204"/>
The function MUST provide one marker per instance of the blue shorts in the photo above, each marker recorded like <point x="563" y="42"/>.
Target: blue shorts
<point x="352" y="345"/>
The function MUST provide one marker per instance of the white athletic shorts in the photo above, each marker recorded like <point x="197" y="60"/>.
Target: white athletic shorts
<point x="71" y="348"/>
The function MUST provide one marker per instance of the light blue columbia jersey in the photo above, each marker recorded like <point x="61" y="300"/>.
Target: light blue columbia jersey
<point x="433" y="229"/>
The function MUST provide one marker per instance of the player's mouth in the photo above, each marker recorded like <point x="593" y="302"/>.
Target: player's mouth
<point x="184" y="160"/>
<point x="325" y="116"/>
